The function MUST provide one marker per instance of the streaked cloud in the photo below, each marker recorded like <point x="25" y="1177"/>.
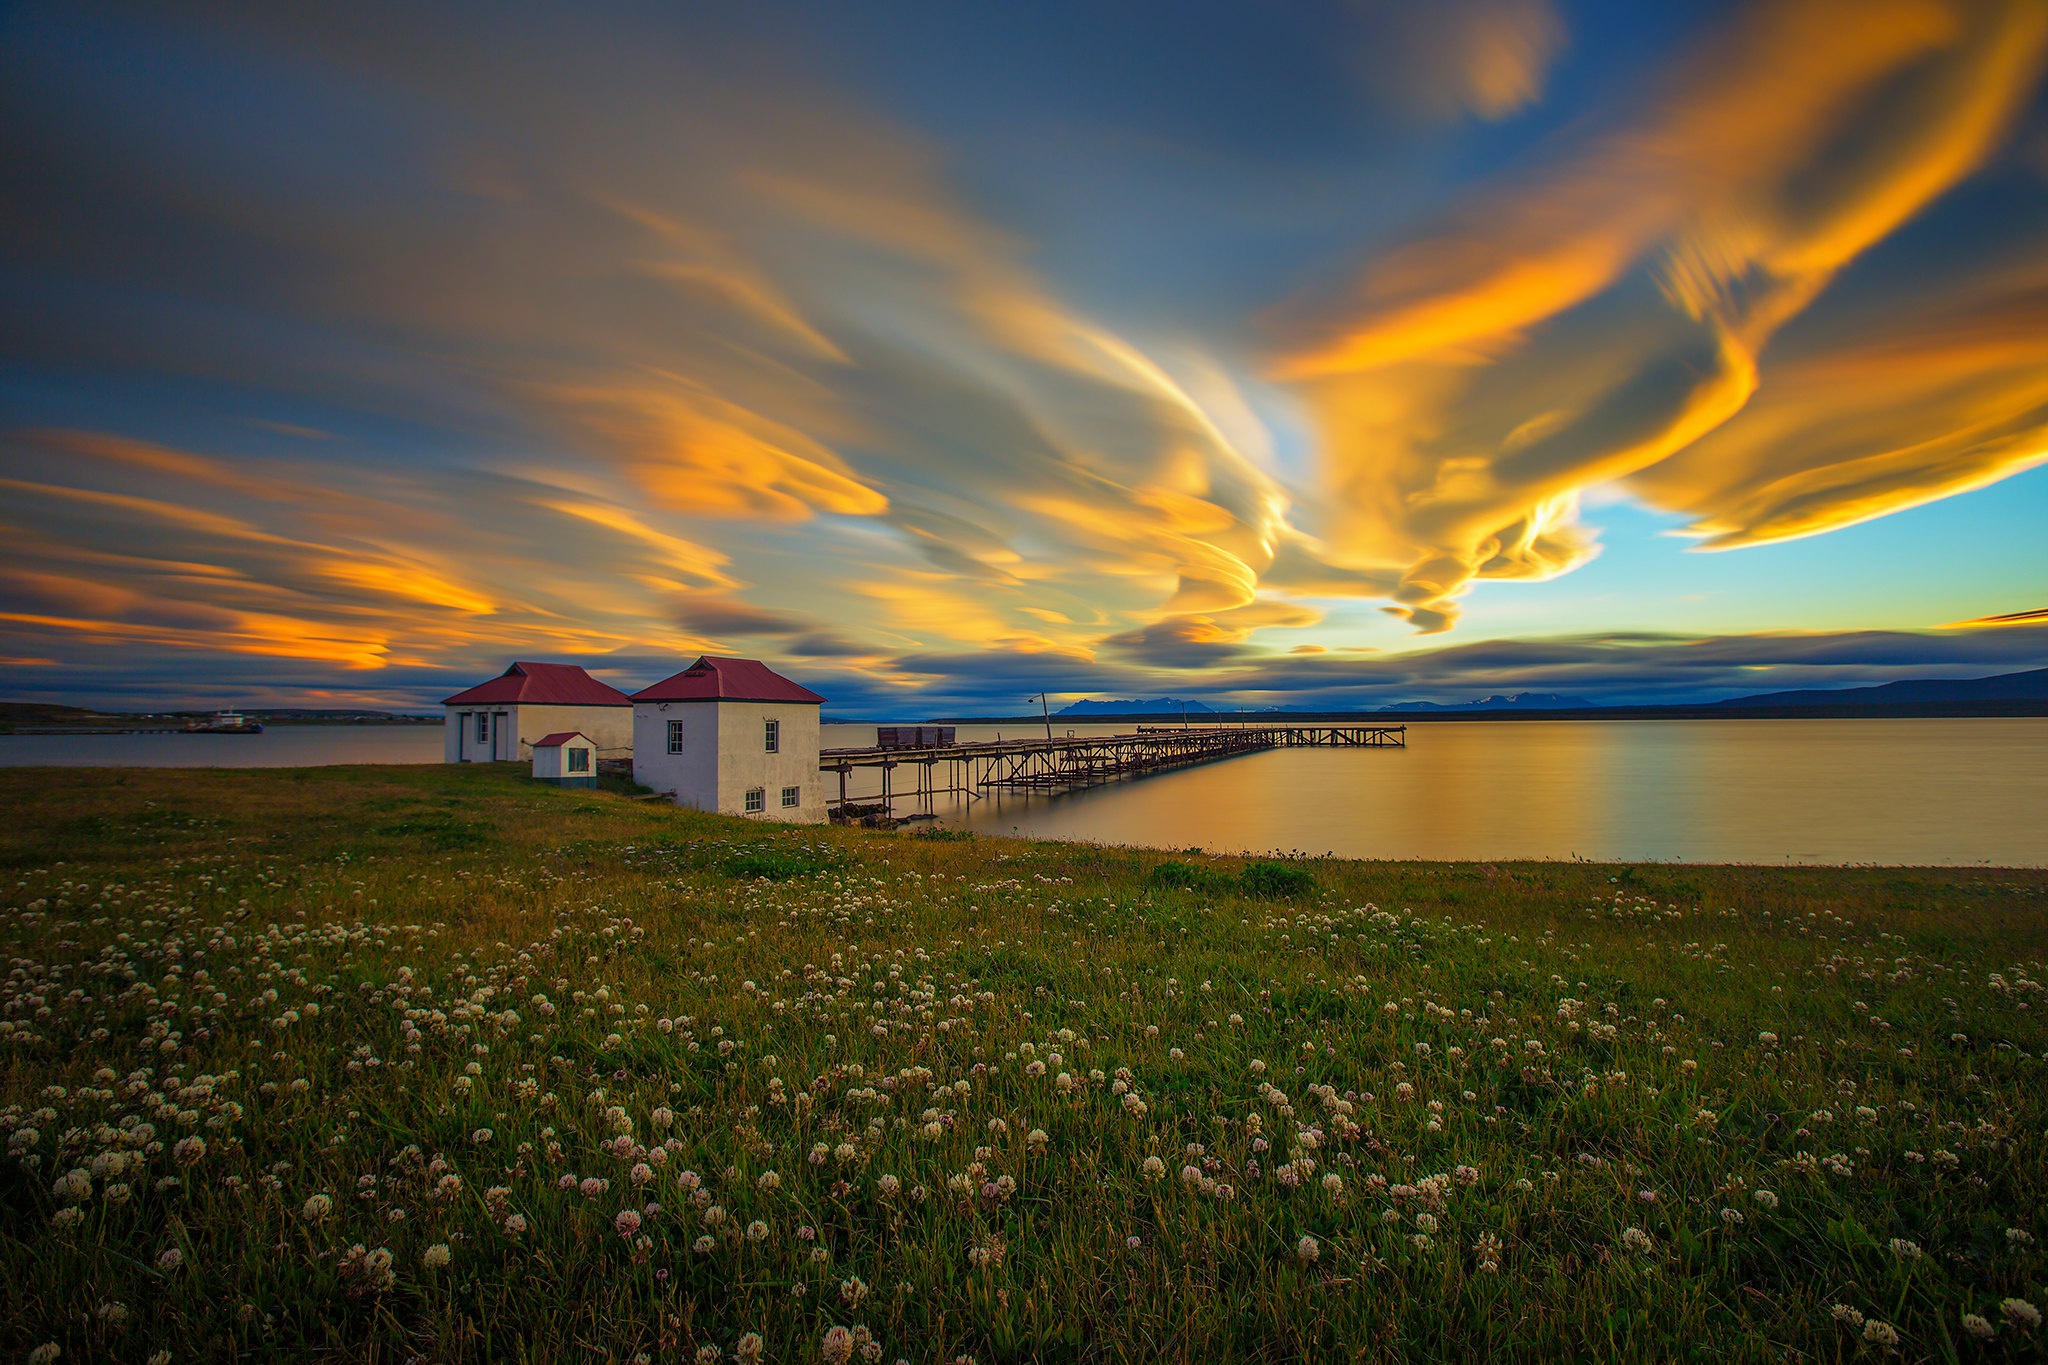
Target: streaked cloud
<point x="1485" y="57"/>
<point x="1608" y="311"/>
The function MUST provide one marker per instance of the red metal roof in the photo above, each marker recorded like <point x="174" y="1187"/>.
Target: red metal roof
<point x="711" y="679"/>
<point x="561" y="737"/>
<point x="541" y="685"/>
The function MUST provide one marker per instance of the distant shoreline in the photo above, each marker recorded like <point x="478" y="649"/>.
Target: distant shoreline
<point x="49" y="721"/>
<point x="1985" y="710"/>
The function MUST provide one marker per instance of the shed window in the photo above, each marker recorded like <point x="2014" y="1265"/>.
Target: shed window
<point x="757" y="798"/>
<point x="483" y="727"/>
<point x="579" y="760"/>
<point x="792" y="796"/>
<point x="675" y="736"/>
<point x="773" y="736"/>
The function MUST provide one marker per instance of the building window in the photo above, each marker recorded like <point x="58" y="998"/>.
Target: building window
<point x="757" y="799"/>
<point x="675" y="736"/>
<point x="483" y="727"/>
<point x="773" y="737"/>
<point x="792" y="796"/>
<point x="579" y="760"/>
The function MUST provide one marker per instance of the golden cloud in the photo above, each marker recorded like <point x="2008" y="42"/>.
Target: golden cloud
<point x="1470" y="385"/>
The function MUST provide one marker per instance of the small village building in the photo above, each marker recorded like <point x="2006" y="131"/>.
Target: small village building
<point x="567" y="759"/>
<point x="733" y="736"/>
<point x="499" y="721"/>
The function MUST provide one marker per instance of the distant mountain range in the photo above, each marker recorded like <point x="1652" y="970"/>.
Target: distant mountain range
<point x="1158" y="706"/>
<point x="2029" y="686"/>
<point x="2014" y="694"/>
<point x="1520" y="701"/>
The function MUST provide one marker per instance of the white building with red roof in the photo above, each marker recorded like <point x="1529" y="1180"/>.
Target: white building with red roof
<point x="500" y="720"/>
<point x="733" y="736"/>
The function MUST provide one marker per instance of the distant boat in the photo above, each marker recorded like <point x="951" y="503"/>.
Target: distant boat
<point x="225" y="723"/>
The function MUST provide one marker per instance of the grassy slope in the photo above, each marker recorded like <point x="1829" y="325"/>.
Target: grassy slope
<point x="1573" y="1034"/>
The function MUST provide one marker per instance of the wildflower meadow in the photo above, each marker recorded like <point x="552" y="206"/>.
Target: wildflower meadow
<point x="394" y="1064"/>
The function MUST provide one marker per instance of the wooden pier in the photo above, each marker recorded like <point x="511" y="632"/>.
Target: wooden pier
<point x="975" y="768"/>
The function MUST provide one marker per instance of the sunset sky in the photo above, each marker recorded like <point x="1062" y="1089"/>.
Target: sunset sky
<point x="1275" y="355"/>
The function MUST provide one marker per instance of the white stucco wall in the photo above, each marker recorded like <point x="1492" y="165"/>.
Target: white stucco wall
<point x="609" y="727"/>
<point x="460" y="744"/>
<point x="725" y="754"/>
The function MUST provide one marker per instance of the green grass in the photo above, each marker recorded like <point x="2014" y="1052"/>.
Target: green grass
<point x="1571" y="1110"/>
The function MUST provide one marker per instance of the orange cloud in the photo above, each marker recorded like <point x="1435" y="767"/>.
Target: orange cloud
<point x="1924" y="403"/>
<point x="697" y="452"/>
<point x="1457" y="444"/>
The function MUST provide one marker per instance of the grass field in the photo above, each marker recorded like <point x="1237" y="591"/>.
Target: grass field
<point x="437" y="1063"/>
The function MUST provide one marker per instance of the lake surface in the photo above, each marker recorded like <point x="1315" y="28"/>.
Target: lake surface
<point x="1718" y="791"/>
<point x="279" y="746"/>
<point x="1942" y="792"/>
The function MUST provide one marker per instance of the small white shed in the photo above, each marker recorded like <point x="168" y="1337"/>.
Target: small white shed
<point x="733" y="736"/>
<point x="567" y="759"/>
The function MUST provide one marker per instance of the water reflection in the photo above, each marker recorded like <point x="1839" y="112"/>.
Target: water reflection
<point x="1770" y="791"/>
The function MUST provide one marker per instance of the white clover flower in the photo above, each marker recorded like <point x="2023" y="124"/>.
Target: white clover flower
<point x="170" y="1258"/>
<point x="1979" y="1326"/>
<point x="750" y="1347"/>
<point x="1307" y="1249"/>
<point x="2020" y="1313"/>
<point x="626" y="1223"/>
<point x="1154" y="1168"/>
<point x="435" y="1256"/>
<point x="1635" y="1239"/>
<point x="1766" y="1198"/>
<point x="1847" y="1316"/>
<point x="757" y="1231"/>
<point x="317" y="1208"/>
<point x="1880" y="1333"/>
<point x="1905" y="1250"/>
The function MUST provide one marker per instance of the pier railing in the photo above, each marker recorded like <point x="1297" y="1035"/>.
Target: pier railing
<point x="976" y="768"/>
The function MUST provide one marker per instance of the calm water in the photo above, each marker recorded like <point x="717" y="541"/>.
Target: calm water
<point x="279" y="746"/>
<point x="1763" y="791"/>
<point x="1717" y="791"/>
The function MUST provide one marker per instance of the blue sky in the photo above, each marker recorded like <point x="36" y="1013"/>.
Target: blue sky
<point x="1326" y="354"/>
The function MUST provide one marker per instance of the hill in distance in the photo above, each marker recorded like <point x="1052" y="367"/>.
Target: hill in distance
<point x="1520" y="701"/>
<point x="2028" y="686"/>
<point x="1158" y="706"/>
